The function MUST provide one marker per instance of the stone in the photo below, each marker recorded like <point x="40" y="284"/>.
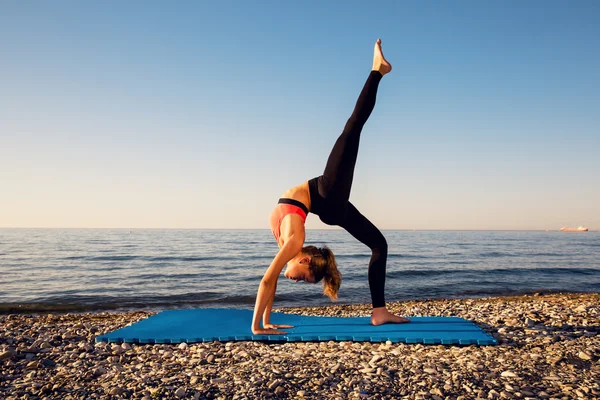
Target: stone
<point x="333" y="370"/>
<point x="46" y="362"/>
<point x="279" y="390"/>
<point x="117" y="391"/>
<point x="584" y="355"/>
<point x="493" y="394"/>
<point x="376" y="358"/>
<point x="7" y="355"/>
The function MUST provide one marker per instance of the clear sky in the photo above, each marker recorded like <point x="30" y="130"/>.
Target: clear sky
<point x="200" y="114"/>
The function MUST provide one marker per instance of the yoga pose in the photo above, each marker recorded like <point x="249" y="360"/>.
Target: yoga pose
<point x="328" y="197"/>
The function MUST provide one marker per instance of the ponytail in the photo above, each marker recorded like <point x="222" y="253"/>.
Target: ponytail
<point x="324" y="267"/>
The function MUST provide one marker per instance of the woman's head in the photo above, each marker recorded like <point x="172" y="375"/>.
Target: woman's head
<point x="319" y="264"/>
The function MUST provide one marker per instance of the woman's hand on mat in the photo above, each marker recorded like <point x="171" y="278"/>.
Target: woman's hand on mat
<point x="276" y="326"/>
<point x="263" y="331"/>
<point x="382" y="316"/>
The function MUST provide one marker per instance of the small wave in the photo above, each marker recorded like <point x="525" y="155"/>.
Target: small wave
<point x="165" y="277"/>
<point x="521" y="254"/>
<point x="141" y="302"/>
<point x="248" y="242"/>
<point x="167" y="258"/>
<point x="544" y="254"/>
<point x="494" y="271"/>
<point x="367" y="254"/>
<point x="176" y="258"/>
<point x="27" y="308"/>
<point x="81" y="303"/>
<point x="496" y="254"/>
<point x="205" y="258"/>
<point x="440" y="262"/>
<point x="112" y="258"/>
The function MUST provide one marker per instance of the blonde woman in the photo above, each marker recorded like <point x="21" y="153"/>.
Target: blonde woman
<point x="328" y="197"/>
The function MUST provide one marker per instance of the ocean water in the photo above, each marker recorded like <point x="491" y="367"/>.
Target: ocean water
<point x="109" y="269"/>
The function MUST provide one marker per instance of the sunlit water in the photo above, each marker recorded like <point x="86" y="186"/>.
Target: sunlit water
<point x="103" y="269"/>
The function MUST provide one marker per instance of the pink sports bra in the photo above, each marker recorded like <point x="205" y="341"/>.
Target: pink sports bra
<point x="283" y="208"/>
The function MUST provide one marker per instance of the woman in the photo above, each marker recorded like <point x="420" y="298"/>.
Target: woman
<point x="327" y="196"/>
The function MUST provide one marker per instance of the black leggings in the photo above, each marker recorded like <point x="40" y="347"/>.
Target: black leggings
<point x="329" y="193"/>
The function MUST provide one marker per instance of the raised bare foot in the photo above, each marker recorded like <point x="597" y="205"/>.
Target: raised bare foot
<point x="379" y="62"/>
<point x="382" y="316"/>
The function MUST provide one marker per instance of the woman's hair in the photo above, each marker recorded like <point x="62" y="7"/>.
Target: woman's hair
<point x="323" y="267"/>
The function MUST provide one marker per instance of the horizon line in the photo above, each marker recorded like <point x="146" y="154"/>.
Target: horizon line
<point x="308" y="229"/>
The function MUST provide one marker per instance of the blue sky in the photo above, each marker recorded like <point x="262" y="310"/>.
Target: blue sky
<point x="201" y="114"/>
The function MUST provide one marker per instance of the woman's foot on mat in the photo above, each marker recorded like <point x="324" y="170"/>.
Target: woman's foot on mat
<point x="382" y="316"/>
<point x="379" y="62"/>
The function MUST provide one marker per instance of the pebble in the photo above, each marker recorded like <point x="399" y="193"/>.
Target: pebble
<point x="116" y="391"/>
<point x="6" y="355"/>
<point x="584" y="355"/>
<point x="280" y="390"/>
<point x="539" y="336"/>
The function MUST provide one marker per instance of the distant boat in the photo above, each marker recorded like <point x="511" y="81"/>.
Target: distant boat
<point x="578" y="229"/>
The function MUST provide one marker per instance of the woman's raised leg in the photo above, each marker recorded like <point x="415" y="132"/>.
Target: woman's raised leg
<point x="336" y="182"/>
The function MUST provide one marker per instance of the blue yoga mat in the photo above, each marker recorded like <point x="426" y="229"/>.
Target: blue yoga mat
<point x="210" y="324"/>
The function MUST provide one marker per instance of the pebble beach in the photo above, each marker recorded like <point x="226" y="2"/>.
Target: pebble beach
<point x="549" y="348"/>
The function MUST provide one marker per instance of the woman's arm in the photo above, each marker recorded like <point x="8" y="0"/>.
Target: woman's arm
<point x="268" y="284"/>
<point x="267" y="315"/>
<point x="267" y="312"/>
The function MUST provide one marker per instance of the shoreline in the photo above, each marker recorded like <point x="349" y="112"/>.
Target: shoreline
<point x="41" y="308"/>
<point x="548" y="347"/>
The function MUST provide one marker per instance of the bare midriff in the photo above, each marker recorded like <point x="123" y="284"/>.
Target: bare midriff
<point x="299" y="193"/>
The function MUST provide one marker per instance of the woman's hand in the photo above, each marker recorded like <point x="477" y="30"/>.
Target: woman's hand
<point x="263" y="331"/>
<point x="276" y="326"/>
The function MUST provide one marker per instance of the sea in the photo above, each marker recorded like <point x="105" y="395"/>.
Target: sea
<point x="92" y="270"/>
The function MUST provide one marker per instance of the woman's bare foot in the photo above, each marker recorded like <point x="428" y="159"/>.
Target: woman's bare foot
<point x="382" y="316"/>
<point x="379" y="62"/>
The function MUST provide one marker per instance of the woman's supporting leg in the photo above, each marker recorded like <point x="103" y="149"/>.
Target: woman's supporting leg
<point x="364" y="231"/>
<point x="336" y="182"/>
